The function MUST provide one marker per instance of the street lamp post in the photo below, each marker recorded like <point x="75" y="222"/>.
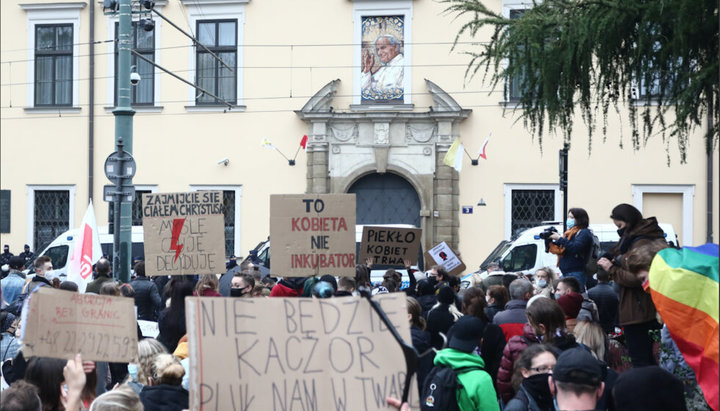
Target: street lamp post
<point x="563" y="170"/>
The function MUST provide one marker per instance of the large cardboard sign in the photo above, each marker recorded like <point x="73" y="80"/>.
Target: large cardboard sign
<point x="312" y="234"/>
<point x="309" y="354"/>
<point x="184" y="233"/>
<point x="60" y="324"/>
<point x="443" y="255"/>
<point x="389" y="245"/>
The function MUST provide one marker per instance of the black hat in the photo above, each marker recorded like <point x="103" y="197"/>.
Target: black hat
<point x="465" y="335"/>
<point x="27" y="246"/>
<point x="330" y="279"/>
<point x="578" y="366"/>
<point x="649" y="388"/>
<point x="16" y="262"/>
<point x="446" y="295"/>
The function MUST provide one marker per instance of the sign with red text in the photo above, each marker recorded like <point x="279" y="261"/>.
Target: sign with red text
<point x="390" y="245"/>
<point x="184" y="233"/>
<point x="313" y="354"/>
<point x="312" y="234"/>
<point x="60" y="324"/>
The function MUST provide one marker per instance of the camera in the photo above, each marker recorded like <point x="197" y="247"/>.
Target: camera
<point x="545" y="235"/>
<point x="135" y="78"/>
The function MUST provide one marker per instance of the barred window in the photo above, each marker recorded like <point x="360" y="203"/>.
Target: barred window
<point x="531" y="208"/>
<point x="51" y="216"/>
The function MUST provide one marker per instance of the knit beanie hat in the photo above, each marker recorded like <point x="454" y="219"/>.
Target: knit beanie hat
<point x="446" y="295"/>
<point x="648" y="388"/>
<point x="571" y="303"/>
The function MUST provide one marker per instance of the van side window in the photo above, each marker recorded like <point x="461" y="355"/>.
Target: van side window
<point x="58" y="255"/>
<point x="520" y="258"/>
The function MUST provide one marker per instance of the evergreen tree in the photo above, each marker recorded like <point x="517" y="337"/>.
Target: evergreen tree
<point x="594" y="56"/>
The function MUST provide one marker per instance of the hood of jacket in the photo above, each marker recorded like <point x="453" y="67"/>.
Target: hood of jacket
<point x="458" y="359"/>
<point x="646" y="228"/>
<point x="164" y="397"/>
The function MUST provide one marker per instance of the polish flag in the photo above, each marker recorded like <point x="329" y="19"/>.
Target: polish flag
<point x="87" y="251"/>
<point x="303" y="142"/>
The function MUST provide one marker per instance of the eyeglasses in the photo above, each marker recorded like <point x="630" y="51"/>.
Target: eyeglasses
<point x="542" y="370"/>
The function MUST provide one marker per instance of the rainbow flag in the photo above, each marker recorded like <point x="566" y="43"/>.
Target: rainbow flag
<point x="684" y="288"/>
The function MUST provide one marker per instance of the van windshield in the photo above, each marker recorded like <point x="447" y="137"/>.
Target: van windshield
<point x="58" y="255"/>
<point x="495" y="254"/>
<point x="520" y="258"/>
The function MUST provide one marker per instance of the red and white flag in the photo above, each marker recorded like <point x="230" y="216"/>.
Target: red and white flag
<point x="87" y="251"/>
<point x="303" y="142"/>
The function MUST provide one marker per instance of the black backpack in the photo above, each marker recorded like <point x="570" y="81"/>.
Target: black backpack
<point x="593" y="256"/>
<point x="440" y="388"/>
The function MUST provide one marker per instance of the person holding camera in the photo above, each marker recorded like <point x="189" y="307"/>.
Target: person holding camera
<point x="573" y="247"/>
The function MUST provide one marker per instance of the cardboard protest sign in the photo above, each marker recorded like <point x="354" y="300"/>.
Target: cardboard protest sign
<point x="60" y="324"/>
<point x="390" y="245"/>
<point x="443" y="255"/>
<point x="312" y="234"/>
<point x="184" y="233"/>
<point x="312" y="354"/>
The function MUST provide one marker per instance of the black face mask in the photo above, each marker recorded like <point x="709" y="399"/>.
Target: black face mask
<point x="621" y="231"/>
<point x="237" y="292"/>
<point x="537" y="386"/>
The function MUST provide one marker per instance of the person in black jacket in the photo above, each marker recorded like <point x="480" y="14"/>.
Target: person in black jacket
<point x="147" y="296"/>
<point x="442" y="316"/>
<point x="164" y="391"/>
<point x="420" y="341"/>
<point x="532" y="369"/>
<point x="171" y="321"/>
<point x="426" y="296"/>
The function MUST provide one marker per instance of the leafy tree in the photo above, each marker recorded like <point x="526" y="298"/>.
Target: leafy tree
<point x="589" y="56"/>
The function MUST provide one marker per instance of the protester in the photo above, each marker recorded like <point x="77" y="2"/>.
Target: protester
<point x="122" y="398"/>
<point x="546" y="324"/>
<point x="420" y="341"/>
<point x="588" y="310"/>
<point x="288" y="287"/>
<point x="497" y="297"/>
<point x="574" y="246"/>
<point x="571" y="304"/>
<point x="242" y="285"/>
<point x="171" y="321"/>
<point x="543" y="279"/>
<point x="12" y="285"/>
<point x="493" y="341"/>
<point x="591" y="335"/>
<point x="576" y="381"/>
<point x="607" y="301"/>
<point x="140" y="369"/>
<point x="637" y="311"/>
<point x="147" y="297"/>
<point x="426" y="296"/>
<point x="648" y="388"/>
<point x="475" y="387"/>
<point x="68" y="286"/>
<point x="346" y="287"/>
<point x="362" y="274"/>
<point x="442" y="316"/>
<point x="513" y="318"/>
<point x="103" y="275"/>
<point x="207" y="286"/>
<point x="438" y="276"/>
<point x="9" y="344"/>
<point x="47" y="375"/>
<point x="164" y="391"/>
<point x="21" y="396"/>
<point x="530" y="379"/>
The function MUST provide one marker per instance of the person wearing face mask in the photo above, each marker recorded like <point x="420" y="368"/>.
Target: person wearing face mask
<point x="637" y="311"/>
<point x="544" y="278"/>
<point x="532" y="370"/>
<point x="242" y="285"/>
<point x="574" y="246"/>
<point x="9" y="345"/>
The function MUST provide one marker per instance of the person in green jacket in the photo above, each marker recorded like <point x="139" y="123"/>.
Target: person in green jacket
<point x="475" y="388"/>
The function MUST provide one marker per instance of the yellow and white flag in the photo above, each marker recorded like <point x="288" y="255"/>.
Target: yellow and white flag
<point x="454" y="156"/>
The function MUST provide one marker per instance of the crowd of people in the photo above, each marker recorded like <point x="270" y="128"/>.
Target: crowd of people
<point x="512" y="341"/>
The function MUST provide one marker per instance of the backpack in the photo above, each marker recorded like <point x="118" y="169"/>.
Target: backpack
<point x="440" y="388"/>
<point x="593" y="256"/>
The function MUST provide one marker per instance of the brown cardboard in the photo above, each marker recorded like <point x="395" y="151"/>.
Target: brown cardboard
<point x="389" y="245"/>
<point x="312" y="234"/>
<point x="295" y="353"/>
<point x="60" y="324"/>
<point x="452" y="261"/>
<point x="197" y="218"/>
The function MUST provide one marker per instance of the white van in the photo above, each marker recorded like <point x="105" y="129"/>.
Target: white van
<point x="527" y="254"/>
<point x="61" y="248"/>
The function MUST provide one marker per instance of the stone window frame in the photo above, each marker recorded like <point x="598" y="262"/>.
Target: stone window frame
<point x="31" y="189"/>
<point x="688" y="193"/>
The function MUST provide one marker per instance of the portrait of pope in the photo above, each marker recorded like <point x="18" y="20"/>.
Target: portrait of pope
<point x="382" y="61"/>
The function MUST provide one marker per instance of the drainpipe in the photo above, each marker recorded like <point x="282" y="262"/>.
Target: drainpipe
<point x="91" y="102"/>
<point x="710" y="184"/>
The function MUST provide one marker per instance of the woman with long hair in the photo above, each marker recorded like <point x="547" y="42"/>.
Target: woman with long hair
<point x="497" y="296"/>
<point x="207" y="286"/>
<point x="546" y="324"/>
<point x="47" y="375"/>
<point x="171" y="321"/>
<point x="530" y="379"/>
<point x="164" y="391"/>
<point x="420" y="339"/>
<point x="442" y="316"/>
<point x="141" y="368"/>
<point x="574" y="246"/>
<point x="637" y="312"/>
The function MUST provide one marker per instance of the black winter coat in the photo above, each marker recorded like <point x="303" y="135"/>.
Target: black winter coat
<point x="147" y="298"/>
<point x="164" y="397"/>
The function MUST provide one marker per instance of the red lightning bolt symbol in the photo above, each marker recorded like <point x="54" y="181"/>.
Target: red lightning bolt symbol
<point x="177" y="226"/>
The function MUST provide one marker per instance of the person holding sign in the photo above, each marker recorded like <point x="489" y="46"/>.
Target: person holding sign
<point x="171" y="321"/>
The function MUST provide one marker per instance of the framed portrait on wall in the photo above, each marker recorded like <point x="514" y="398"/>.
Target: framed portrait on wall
<point x="382" y="60"/>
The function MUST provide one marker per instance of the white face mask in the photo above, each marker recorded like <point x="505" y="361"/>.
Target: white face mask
<point x="50" y="275"/>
